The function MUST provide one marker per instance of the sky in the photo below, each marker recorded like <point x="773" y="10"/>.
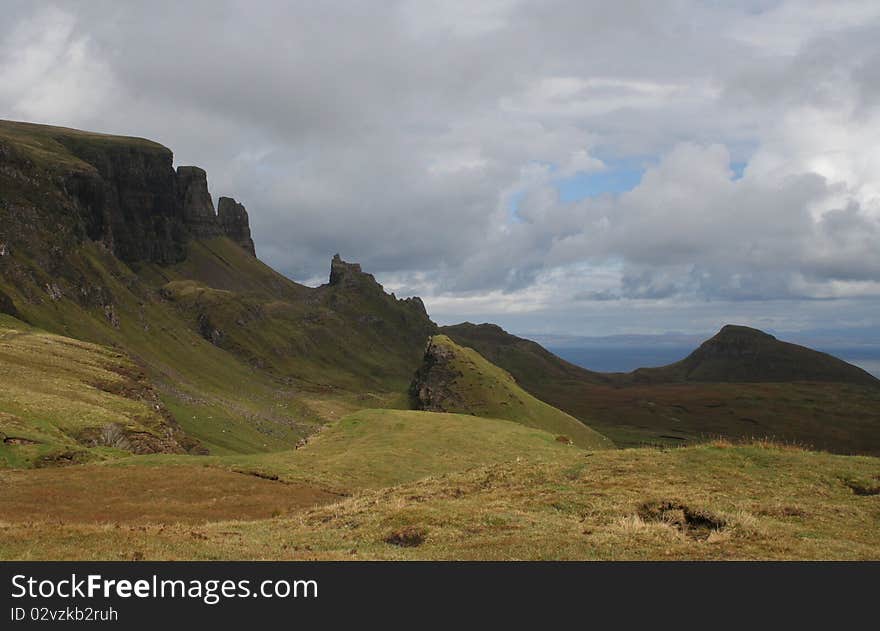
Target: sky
<point x="571" y="167"/>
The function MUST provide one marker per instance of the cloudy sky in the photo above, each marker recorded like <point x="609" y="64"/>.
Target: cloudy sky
<point x="576" y="167"/>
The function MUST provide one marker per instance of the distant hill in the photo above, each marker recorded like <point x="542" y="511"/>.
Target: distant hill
<point x="742" y="354"/>
<point x="734" y="354"/>
<point x="455" y="378"/>
<point x="740" y="384"/>
<point x="528" y="361"/>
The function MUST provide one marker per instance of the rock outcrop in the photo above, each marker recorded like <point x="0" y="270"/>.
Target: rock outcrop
<point x="457" y="379"/>
<point x="7" y="306"/>
<point x="128" y="199"/>
<point x="432" y="388"/>
<point x="352" y="280"/>
<point x="347" y="274"/>
<point x="64" y="186"/>
<point x="234" y="222"/>
<point x="195" y="203"/>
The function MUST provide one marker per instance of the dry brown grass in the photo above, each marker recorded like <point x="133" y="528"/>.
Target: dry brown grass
<point x="168" y="495"/>
<point x="768" y="503"/>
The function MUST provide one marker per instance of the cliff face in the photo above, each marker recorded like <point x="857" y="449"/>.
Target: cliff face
<point x="194" y="201"/>
<point x="346" y="274"/>
<point x="234" y="222"/>
<point x="87" y="220"/>
<point x="129" y="201"/>
<point x="62" y="186"/>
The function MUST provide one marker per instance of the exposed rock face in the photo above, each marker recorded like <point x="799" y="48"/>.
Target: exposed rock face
<point x="7" y="306"/>
<point x="349" y="274"/>
<point x="195" y="203"/>
<point x="235" y="224"/>
<point x="394" y="323"/>
<point x="128" y="201"/>
<point x="431" y="388"/>
<point x="123" y="193"/>
<point x="410" y="312"/>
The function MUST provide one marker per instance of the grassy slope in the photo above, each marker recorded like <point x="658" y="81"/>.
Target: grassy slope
<point x="836" y="417"/>
<point x="376" y="448"/>
<point x="315" y="335"/>
<point x="188" y="492"/>
<point x="844" y="418"/>
<point x="83" y="292"/>
<point x="191" y="374"/>
<point x="290" y="358"/>
<point x="533" y="366"/>
<point x="41" y="143"/>
<point x="296" y="362"/>
<point x="476" y="386"/>
<point x="768" y="502"/>
<point x="54" y="390"/>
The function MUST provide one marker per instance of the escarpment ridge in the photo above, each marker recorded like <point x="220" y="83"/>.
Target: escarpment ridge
<point x="122" y="192"/>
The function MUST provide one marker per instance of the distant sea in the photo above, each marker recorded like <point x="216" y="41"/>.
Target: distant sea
<point x="630" y="357"/>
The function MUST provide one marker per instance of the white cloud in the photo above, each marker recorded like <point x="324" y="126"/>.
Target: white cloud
<point x="49" y="72"/>
<point x="401" y="133"/>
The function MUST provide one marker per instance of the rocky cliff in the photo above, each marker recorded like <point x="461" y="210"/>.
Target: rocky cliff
<point x="234" y="222"/>
<point x="195" y="204"/>
<point x="127" y="199"/>
<point x="64" y="186"/>
<point x="344" y="274"/>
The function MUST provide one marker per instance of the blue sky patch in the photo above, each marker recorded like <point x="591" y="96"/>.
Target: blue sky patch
<point x="583" y="185"/>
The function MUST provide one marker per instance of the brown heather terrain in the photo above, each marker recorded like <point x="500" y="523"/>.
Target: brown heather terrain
<point x="716" y="501"/>
<point x="176" y="494"/>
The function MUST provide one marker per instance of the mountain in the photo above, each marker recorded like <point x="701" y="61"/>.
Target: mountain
<point x="742" y="383"/>
<point x="742" y="354"/>
<point x="206" y="407"/>
<point x="102" y="240"/>
<point x="455" y="378"/>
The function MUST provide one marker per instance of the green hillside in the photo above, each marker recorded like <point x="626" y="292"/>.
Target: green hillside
<point x="65" y="401"/>
<point x="98" y="243"/>
<point x="375" y="448"/>
<point x="455" y="378"/>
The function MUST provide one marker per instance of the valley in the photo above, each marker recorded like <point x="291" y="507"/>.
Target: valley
<point x="164" y="394"/>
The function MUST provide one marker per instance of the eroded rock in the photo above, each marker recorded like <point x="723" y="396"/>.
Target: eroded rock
<point x="234" y="221"/>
